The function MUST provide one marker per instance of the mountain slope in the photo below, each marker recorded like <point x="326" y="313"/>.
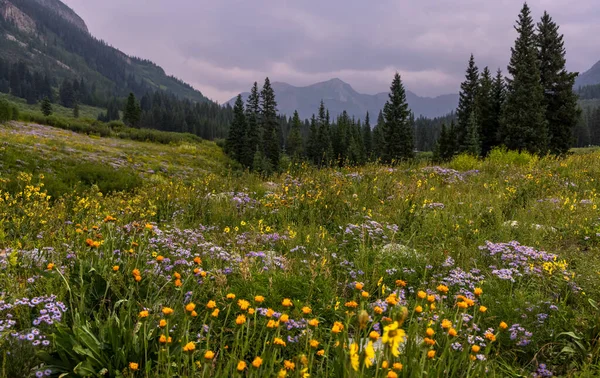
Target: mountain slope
<point x="589" y="77"/>
<point x="50" y="37"/>
<point x="339" y="96"/>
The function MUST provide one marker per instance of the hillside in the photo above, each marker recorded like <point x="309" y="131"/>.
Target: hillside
<point x="339" y="96"/>
<point x="589" y="77"/>
<point x="69" y="160"/>
<point x="51" y="38"/>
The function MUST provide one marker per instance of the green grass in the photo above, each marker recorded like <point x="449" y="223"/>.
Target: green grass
<point x="85" y="111"/>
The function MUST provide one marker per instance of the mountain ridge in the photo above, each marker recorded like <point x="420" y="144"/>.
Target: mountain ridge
<point x="50" y="37"/>
<point x="589" y="77"/>
<point x="339" y="96"/>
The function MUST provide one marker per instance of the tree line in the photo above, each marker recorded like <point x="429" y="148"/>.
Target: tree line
<point x="534" y="110"/>
<point x="258" y="138"/>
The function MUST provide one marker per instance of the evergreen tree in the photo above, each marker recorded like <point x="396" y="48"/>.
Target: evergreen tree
<point x="367" y="137"/>
<point x="523" y="123"/>
<point x="453" y="140"/>
<point x="498" y="97"/>
<point x="294" y="141"/>
<point x="252" y="120"/>
<point x="398" y="136"/>
<point x="441" y="146"/>
<point x="76" y="109"/>
<point x="112" y="111"/>
<point x="472" y="141"/>
<point x="132" y="111"/>
<point x="562" y="112"/>
<point x="466" y="102"/>
<point x="261" y="163"/>
<point x="46" y="107"/>
<point x="485" y="112"/>
<point x="67" y="94"/>
<point x="270" y="124"/>
<point x="325" y="148"/>
<point x="378" y="139"/>
<point x="312" y="146"/>
<point x="236" y="141"/>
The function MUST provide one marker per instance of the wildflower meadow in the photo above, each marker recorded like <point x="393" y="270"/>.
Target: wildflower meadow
<point x="170" y="261"/>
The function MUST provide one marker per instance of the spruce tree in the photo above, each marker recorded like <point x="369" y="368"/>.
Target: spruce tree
<point x="378" y="140"/>
<point x="253" y="138"/>
<point x="442" y="146"/>
<point x="453" y="146"/>
<point x="46" y="107"/>
<point x="367" y="137"/>
<point x="472" y="141"/>
<point x="562" y="111"/>
<point x="486" y="116"/>
<point x="66" y="94"/>
<point x="236" y="140"/>
<point x="270" y="124"/>
<point x="398" y="136"/>
<point x="294" y="141"/>
<point x="132" y="111"/>
<point x="466" y="102"/>
<point x="324" y="145"/>
<point x="523" y="124"/>
<point x="312" y="147"/>
<point x="498" y="97"/>
<point x="76" y="109"/>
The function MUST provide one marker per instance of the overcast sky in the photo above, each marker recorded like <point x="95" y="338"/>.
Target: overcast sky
<point x="222" y="46"/>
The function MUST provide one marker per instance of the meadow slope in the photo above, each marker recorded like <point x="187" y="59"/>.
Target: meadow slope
<point x="134" y="259"/>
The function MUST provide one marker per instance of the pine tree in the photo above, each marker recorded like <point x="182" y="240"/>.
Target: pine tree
<point x="236" y="141"/>
<point x="367" y="137"/>
<point x="466" y="102"/>
<point x="76" y="109"/>
<point x="254" y="139"/>
<point x="523" y="124"/>
<point x="294" y="141"/>
<point x="378" y="139"/>
<point x="132" y="111"/>
<point x="66" y="94"/>
<point x="441" y="145"/>
<point x="472" y="142"/>
<point x="453" y="146"/>
<point x="325" y="148"/>
<point x="498" y="98"/>
<point x="46" y="107"/>
<point x="270" y="124"/>
<point x="312" y="147"/>
<point x="398" y="136"/>
<point x="485" y="112"/>
<point x="562" y="112"/>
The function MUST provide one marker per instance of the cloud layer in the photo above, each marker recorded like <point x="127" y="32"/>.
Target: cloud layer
<point x="221" y="47"/>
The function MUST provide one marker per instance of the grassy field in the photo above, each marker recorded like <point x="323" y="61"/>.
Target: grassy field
<point x="164" y="262"/>
<point x="85" y="111"/>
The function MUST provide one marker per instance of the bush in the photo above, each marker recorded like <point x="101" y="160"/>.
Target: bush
<point x="503" y="157"/>
<point x="6" y="112"/>
<point x="464" y="162"/>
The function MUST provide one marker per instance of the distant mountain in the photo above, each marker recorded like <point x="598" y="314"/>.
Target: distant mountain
<point x="50" y="38"/>
<point x="339" y="96"/>
<point x="589" y="77"/>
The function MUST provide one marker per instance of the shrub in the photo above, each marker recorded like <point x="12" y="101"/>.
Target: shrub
<point x="6" y="113"/>
<point x="503" y="157"/>
<point x="464" y="162"/>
